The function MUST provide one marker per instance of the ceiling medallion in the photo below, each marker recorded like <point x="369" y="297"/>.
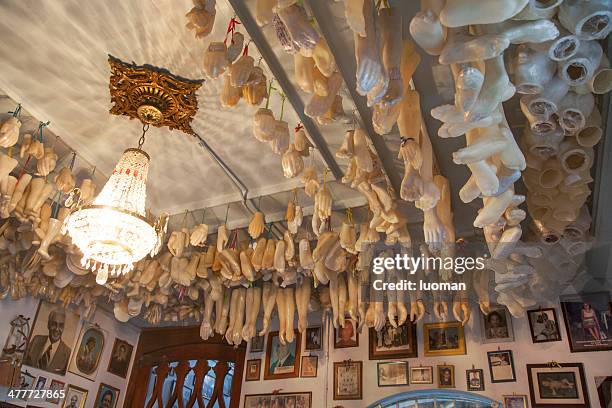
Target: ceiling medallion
<point x="153" y="95"/>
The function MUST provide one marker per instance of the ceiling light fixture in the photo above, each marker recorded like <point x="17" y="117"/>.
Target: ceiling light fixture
<point x="114" y="231"/>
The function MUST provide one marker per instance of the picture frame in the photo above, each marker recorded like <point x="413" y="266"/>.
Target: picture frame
<point x="604" y="390"/>
<point x="582" y="315"/>
<point x="347" y="336"/>
<point x="314" y="336"/>
<point x="26" y="382"/>
<point x="475" y="379"/>
<point x="56" y="385"/>
<point x="444" y="339"/>
<point x="515" y="401"/>
<point x="76" y="397"/>
<point x="392" y="373"/>
<point x="446" y="376"/>
<point x="51" y="321"/>
<point x="121" y="355"/>
<point x="348" y="380"/>
<point x="501" y="366"/>
<point x="544" y="325"/>
<point x="253" y="370"/>
<point x="393" y="343"/>
<point x="496" y="325"/>
<point x="543" y="377"/>
<point x="421" y="375"/>
<point x="257" y="343"/>
<point x="297" y="399"/>
<point x="309" y="366"/>
<point x="107" y="396"/>
<point x="282" y="361"/>
<point x="40" y="383"/>
<point x="86" y="359"/>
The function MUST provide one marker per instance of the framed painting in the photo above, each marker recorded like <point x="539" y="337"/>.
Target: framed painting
<point x="347" y="336"/>
<point x="446" y="376"/>
<point x="281" y="399"/>
<point x="257" y="344"/>
<point x="282" y="360"/>
<point x="86" y="360"/>
<point x="121" y="356"/>
<point x="544" y="325"/>
<point x="584" y="317"/>
<point x="393" y="342"/>
<point x="253" y="370"/>
<point x="309" y="366"/>
<point x="501" y="366"/>
<point x="557" y="385"/>
<point x="421" y="375"/>
<point x="392" y="373"/>
<point x="475" y="379"/>
<point x="444" y="339"/>
<point x="107" y="396"/>
<point x="348" y="380"/>
<point x="55" y="325"/>
<point x="496" y="325"/>
<point x="313" y="338"/>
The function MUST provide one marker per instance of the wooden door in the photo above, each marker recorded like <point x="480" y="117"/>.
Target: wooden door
<point x="192" y="367"/>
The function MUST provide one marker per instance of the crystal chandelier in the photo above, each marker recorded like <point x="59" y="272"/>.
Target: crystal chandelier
<point x="113" y="232"/>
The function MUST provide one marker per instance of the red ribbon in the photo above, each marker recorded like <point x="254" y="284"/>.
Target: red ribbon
<point x="231" y="28"/>
<point x="246" y="50"/>
<point x="299" y="127"/>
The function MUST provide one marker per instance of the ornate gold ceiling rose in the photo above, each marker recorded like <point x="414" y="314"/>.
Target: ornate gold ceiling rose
<point x="153" y="95"/>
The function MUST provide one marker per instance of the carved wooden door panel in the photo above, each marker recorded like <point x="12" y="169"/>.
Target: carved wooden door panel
<point x="200" y="375"/>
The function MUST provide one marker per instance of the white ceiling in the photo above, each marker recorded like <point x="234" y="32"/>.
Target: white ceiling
<point x="54" y="62"/>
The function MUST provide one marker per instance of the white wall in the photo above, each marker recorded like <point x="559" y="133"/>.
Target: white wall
<point x="10" y="309"/>
<point x="524" y="352"/>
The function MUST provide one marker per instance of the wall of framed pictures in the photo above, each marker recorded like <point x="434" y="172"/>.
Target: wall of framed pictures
<point x="487" y="340"/>
<point x="94" y="363"/>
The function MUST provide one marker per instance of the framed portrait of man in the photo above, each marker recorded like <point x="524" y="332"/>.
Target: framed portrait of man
<point x="282" y="360"/>
<point x="107" y="396"/>
<point x="475" y="379"/>
<point x="51" y="338"/>
<point x="347" y="336"/>
<point x="120" y="358"/>
<point x="393" y="342"/>
<point x="86" y="359"/>
<point x="544" y="325"/>
<point x="496" y="325"/>
<point x="76" y="397"/>
<point x="446" y="376"/>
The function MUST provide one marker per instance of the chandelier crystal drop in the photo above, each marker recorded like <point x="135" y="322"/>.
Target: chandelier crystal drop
<point x="113" y="232"/>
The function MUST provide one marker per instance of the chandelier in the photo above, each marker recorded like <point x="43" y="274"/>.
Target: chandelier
<point x="113" y="232"/>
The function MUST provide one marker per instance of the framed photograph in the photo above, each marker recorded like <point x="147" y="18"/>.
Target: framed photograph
<point x="475" y="379"/>
<point x="544" y="325"/>
<point x="281" y="399"/>
<point x="26" y="382"/>
<point x="584" y="317"/>
<point x="76" y="397"/>
<point x="421" y="375"/>
<point x="604" y="391"/>
<point x="496" y="325"/>
<point x="446" y="376"/>
<point x="51" y="338"/>
<point x="282" y="360"/>
<point x="444" y="339"/>
<point x="392" y="373"/>
<point x="515" y="401"/>
<point x="393" y="342"/>
<point x="86" y="360"/>
<point x="313" y="338"/>
<point x="501" y="366"/>
<point x="348" y="380"/>
<point x="346" y="336"/>
<point x="120" y="358"/>
<point x="257" y="343"/>
<point x="40" y="382"/>
<point x="309" y="366"/>
<point x="253" y="370"/>
<point x="557" y="385"/>
<point x="107" y="396"/>
<point x="55" y="386"/>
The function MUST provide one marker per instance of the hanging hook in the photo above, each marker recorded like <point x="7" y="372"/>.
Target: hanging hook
<point x="73" y="161"/>
<point x="145" y="127"/>
<point x="17" y="111"/>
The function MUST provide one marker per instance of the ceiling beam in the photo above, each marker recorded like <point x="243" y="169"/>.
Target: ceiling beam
<point x="258" y="38"/>
<point x="345" y="62"/>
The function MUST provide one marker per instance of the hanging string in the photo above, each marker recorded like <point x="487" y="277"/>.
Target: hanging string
<point x="246" y="48"/>
<point x="17" y="111"/>
<point x="73" y="161"/>
<point x="41" y="126"/>
<point x="283" y="97"/>
<point x="231" y="28"/>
